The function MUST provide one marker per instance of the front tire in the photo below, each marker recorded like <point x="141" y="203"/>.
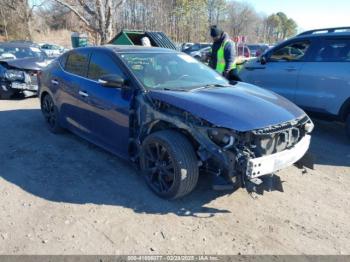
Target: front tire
<point x="50" y="112"/>
<point x="169" y="164"/>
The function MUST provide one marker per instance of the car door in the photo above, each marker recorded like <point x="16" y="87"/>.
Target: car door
<point x="107" y="108"/>
<point x="69" y="81"/>
<point x="324" y="83"/>
<point x="280" y="72"/>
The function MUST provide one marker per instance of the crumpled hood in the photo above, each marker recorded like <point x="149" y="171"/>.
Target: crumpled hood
<point x="241" y="107"/>
<point x="31" y="63"/>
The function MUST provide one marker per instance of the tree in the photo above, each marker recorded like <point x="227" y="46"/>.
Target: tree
<point x="182" y="20"/>
<point x="279" y="27"/>
<point x="272" y="28"/>
<point x="241" y="19"/>
<point x="97" y="15"/>
<point x="215" y="11"/>
<point x="17" y="13"/>
<point x="291" y="28"/>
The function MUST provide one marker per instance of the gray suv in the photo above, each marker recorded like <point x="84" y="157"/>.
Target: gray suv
<point x="311" y="69"/>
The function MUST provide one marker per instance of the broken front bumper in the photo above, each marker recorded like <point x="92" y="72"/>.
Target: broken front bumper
<point x="269" y="164"/>
<point x="24" y="86"/>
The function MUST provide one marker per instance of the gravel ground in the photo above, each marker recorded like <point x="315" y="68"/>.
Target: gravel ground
<point x="62" y="195"/>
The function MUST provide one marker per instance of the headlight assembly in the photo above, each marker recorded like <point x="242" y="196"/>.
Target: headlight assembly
<point x="221" y="137"/>
<point x="14" y="75"/>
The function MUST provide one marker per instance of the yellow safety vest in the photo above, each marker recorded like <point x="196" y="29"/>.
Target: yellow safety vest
<point x="220" y="62"/>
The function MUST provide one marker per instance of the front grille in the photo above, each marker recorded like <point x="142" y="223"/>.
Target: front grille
<point x="281" y="127"/>
<point x="277" y="138"/>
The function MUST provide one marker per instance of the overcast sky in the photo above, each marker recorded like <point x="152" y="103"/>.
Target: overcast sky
<point x="309" y="14"/>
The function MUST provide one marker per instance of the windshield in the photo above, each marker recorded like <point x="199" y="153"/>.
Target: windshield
<point x="172" y="71"/>
<point x="20" y="52"/>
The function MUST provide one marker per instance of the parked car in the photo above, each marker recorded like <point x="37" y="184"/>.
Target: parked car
<point x="52" y="50"/>
<point x="196" y="47"/>
<point x="311" y="69"/>
<point x="257" y="49"/>
<point x="20" y="63"/>
<point x="243" y="51"/>
<point x="203" y="54"/>
<point x="172" y="115"/>
<point x="184" y="46"/>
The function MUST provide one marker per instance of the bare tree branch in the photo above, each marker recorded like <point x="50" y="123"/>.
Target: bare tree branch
<point x="75" y="11"/>
<point x="87" y="8"/>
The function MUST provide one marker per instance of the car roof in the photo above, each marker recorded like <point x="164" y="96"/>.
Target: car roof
<point x="322" y="35"/>
<point x="326" y="32"/>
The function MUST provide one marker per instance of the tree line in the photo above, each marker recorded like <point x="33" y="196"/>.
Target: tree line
<point x="182" y="20"/>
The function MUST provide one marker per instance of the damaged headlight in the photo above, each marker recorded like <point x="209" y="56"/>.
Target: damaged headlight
<point x="221" y="137"/>
<point x="14" y="75"/>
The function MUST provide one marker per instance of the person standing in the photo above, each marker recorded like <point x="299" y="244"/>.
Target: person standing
<point x="223" y="53"/>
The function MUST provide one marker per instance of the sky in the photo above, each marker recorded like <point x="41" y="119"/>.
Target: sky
<point x="309" y="14"/>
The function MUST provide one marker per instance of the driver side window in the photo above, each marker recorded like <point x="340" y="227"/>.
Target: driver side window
<point x="293" y="52"/>
<point x="102" y="64"/>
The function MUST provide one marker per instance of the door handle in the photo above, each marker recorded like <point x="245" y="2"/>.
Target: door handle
<point x="291" y="69"/>
<point x="83" y="93"/>
<point x="54" y="82"/>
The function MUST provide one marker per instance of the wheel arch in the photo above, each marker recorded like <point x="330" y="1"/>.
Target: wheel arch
<point x="159" y="125"/>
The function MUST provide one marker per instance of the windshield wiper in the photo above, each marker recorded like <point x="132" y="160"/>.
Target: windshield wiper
<point x="172" y="89"/>
<point x="209" y="86"/>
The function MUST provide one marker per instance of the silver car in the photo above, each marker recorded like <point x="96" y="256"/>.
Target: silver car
<point x="311" y="69"/>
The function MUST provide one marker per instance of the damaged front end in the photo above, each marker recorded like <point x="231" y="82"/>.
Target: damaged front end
<point x="14" y="80"/>
<point x="234" y="158"/>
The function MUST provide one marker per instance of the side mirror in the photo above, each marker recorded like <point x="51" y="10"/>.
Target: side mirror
<point x="263" y="60"/>
<point x="112" y="81"/>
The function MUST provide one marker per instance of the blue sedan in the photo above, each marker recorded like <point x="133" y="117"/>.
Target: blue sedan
<point x="173" y="116"/>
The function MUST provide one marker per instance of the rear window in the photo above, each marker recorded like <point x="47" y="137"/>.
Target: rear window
<point x="333" y="50"/>
<point x="77" y="63"/>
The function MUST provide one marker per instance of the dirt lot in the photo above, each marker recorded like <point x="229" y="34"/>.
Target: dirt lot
<point x="60" y="194"/>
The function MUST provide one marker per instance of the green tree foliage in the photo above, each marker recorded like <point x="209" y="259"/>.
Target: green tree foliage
<point x="279" y="27"/>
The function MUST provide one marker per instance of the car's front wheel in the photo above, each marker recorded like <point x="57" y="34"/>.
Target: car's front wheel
<point x="51" y="114"/>
<point x="169" y="164"/>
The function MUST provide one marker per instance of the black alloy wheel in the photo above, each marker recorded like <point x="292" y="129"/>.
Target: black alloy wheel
<point x="50" y="113"/>
<point x="169" y="164"/>
<point x="159" y="167"/>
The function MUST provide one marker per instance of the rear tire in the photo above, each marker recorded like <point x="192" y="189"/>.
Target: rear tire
<point x="347" y="124"/>
<point x="169" y="164"/>
<point x="50" y="112"/>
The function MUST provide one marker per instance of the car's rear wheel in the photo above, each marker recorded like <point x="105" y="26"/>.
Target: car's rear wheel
<point x="51" y="114"/>
<point x="169" y="164"/>
<point x="347" y="123"/>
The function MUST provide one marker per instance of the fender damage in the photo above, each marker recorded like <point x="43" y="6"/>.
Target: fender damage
<point x="239" y="157"/>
